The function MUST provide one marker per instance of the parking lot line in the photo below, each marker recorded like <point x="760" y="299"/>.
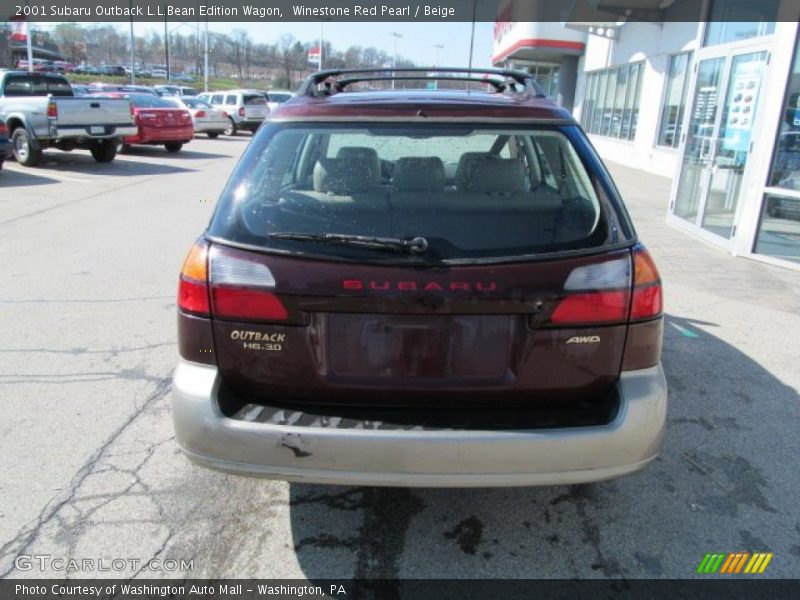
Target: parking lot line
<point x="54" y="175"/>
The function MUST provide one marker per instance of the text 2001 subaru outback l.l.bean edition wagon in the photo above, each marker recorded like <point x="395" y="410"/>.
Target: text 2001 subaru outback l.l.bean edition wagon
<point x="427" y="288"/>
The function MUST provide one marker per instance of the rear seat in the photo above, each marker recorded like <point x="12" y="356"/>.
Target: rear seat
<point x="490" y="208"/>
<point x="345" y="196"/>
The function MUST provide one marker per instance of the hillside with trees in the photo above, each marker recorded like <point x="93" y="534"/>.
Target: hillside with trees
<point x="235" y="55"/>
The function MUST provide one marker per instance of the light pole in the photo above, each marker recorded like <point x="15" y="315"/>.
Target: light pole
<point x="472" y="35"/>
<point x="394" y="59"/>
<point x="205" y="61"/>
<point x="133" y="46"/>
<point x="438" y="48"/>
<point x="321" y="38"/>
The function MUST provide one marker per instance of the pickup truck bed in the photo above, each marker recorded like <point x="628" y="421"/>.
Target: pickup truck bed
<point x="41" y="112"/>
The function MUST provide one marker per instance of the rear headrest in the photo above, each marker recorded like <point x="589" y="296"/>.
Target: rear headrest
<point x="368" y="156"/>
<point x="418" y="174"/>
<point x="341" y="177"/>
<point x="466" y="168"/>
<point x="478" y="172"/>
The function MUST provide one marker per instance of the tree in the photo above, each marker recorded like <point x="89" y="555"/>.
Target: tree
<point x="288" y="50"/>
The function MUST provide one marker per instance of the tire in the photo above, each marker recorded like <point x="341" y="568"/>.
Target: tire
<point x="23" y="150"/>
<point x="123" y="148"/>
<point x="173" y="147"/>
<point x="213" y="135"/>
<point x="104" y="151"/>
<point x="230" y="129"/>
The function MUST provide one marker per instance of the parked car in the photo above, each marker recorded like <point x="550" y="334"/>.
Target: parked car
<point x="277" y="97"/>
<point x="81" y="90"/>
<point x="158" y="74"/>
<point x="41" y="111"/>
<point x="245" y="109"/>
<point x="420" y="288"/>
<point x="5" y="143"/>
<point x="113" y="70"/>
<point x="159" y="122"/>
<point x="205" y="118"/>
<point x="174" y="90"/>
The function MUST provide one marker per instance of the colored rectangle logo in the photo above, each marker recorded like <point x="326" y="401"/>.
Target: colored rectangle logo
<point x="734" y="563"/>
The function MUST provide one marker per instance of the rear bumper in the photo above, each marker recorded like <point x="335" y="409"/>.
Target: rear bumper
<point x="249" y="123"/>
<point x="441" y="458"/>
<point x="108" y="131"/>
<point x="205" y="126"/>
<point x="161" y="135"/>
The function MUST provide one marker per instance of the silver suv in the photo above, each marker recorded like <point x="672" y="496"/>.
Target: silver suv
<point x="245" y="109"/>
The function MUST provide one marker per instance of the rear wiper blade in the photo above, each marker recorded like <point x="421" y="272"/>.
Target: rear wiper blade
<point x="416" y="245"/>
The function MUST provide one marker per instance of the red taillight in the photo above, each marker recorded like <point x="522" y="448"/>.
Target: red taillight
<point x="52" y="109"/>
<point x="247" y="304"/>
<point x="243" y="290"/>
<point x="133" y="114"/>
<point x="193" y="287"/>
<point x="647" y="295"/>
<point x="193" y="296"/>
<point x="593" y="307"/>
<point x="200" y="114"/>
<point x="3" y="129"/>
<point x="241" y="111"/>
<point x="606" y="292"/>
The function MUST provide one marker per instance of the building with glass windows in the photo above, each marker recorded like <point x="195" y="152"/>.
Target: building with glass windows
<point x="714" y="105"/>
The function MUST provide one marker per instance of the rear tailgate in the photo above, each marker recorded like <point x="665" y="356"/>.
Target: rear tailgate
<point x="365" y="334"/>
<point x="165" y="118"/>
<point x="85" y="112"/>
<point x="255" y="106"/>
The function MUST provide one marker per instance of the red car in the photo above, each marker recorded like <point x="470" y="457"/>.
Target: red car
<point x="159" y="121"/>
<point x="424" y="288"/>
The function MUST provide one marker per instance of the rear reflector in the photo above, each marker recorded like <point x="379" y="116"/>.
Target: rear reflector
<point x="247" y="304"/>
<point x="594" y="307"/>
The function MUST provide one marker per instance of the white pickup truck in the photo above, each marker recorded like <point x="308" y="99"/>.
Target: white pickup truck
<point x="41" y="111"/>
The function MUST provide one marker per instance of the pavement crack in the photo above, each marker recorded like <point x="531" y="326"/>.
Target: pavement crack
<point x="31" y="532"/>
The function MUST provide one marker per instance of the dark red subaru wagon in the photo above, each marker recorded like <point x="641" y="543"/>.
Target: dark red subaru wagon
<point x="422" y="288"/>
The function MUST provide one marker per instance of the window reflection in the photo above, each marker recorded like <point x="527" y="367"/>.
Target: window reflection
<point x="779" y="228"/>
<point x="611" y="103"/>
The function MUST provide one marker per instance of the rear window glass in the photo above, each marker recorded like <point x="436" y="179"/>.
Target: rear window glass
<point x="150" y="101"/>
<point x="196" y="103"/>
<point x="471" y="193"/>
<point x="58" y="87"/>
<point x="230" y="99"/>
<point x="17" y="86"/>
<point x="254" y="99"/>
<point x="216" y="99"/>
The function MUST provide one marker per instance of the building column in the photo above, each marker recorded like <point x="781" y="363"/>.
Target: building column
<point x="567" y="81"/>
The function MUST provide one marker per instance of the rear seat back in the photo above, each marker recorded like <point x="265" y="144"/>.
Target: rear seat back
<point x="486" y="185"/>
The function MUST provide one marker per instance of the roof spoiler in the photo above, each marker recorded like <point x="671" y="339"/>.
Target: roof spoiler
<point x="331" y="81"/>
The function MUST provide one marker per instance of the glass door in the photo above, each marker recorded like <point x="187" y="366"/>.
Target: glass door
<point x="720" y="125"/>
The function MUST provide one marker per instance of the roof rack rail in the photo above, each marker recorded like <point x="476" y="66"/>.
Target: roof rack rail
<point x="501" y="79"/>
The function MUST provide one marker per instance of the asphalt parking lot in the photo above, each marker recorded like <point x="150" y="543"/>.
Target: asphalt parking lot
<point x="90" y="468"/>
